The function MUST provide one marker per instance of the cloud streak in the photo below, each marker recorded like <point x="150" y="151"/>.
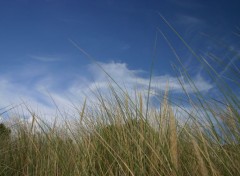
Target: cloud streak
<point x="46" y="58"/>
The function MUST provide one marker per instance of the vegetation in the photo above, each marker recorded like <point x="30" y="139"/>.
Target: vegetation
<point x="4" y="132"/>
<point x="123" y="136"/>
<point x="123" y="143"/>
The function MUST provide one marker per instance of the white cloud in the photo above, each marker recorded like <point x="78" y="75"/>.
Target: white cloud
<point x="38" y="96"/>
<point x="132" y="78"/>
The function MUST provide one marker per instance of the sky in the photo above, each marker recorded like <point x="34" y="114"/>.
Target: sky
<point x="39" y="60"/>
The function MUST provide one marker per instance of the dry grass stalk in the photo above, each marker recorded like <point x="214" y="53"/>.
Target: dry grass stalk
<point x="201" y="164"/>
<point x="173" y="139"/>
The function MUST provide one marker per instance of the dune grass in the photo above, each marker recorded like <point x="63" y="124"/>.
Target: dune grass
<point x="119" y="141"/>
<point x="116" y="138"/>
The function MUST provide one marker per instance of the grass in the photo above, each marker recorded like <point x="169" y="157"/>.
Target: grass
<point x="119" y="141"/>
<point x="116" y="138"/>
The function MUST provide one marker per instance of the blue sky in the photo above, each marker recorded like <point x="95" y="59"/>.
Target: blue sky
<point x="37" y="58"/>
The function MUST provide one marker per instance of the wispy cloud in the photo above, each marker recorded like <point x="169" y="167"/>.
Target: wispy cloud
<point x="192" y="24"/>
<point x="193" y="4"/>
<point x="70" y="20"/>
<point x="39" y="95"/>
<point x="125" y="47"/>
<point x="189" y="20"/>
<point x="132" y="78"/>
<point x="46" y="58"/>
<point x="231" y="62"/>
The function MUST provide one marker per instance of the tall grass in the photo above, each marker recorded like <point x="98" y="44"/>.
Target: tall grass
<point x="116" y="138"/>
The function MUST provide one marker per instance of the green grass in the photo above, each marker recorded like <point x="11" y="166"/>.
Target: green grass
<point x="116" y="138"/>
